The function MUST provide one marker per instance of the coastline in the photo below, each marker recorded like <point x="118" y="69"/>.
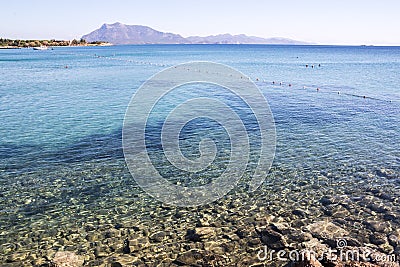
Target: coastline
<point x="15" y="44"/>
<point x="18" y="47"/>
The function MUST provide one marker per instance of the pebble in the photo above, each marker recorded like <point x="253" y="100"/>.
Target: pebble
<point x="158" y="237"/>
<point x="67" y="259"/>
<point x="326" y="201"/>
<point x="299" y="212"/>
<point x="191" y="235"/>
<point x="205" y="232"/>
<point x="191" y="257"/>
<point x="17" y="257"/>
<point x="254" y="242"/>
<point x="378" y="239"/>
<point x="387" y="173"/>
<point x="386" y="248"/>
<point x="298" y="236"/>
<point x="100" y="252"/>
<point x="375" y="226"/>
<point x="326" y="230"/>
<point x="378" y="208"/>
<point x="126" y="249"/>
<point x="272" y="238"/>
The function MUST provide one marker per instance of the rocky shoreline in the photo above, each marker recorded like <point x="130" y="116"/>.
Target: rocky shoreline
<point x="209" y="243"/>
<point x="117" y="224"/>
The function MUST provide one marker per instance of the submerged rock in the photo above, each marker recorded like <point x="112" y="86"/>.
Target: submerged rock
<point x="298" y="236"/>
<point x="381" y="227"/>
<point x="158" y="237"/>
<point x="326" y="200"/>
<point x="67" y="259"/>
<point x="191" y="235"/>
<point x="272" y="238"/>
<point x="126" y="249"/>
<point x="326" y="230"/>
<point x="190" y="257"/>
<point x="299" y="212"/>
<point x="378" y="239"/>
<point x="205" y="232"/>
<point x="387" y="173"/>
<point x="200" y="233"/>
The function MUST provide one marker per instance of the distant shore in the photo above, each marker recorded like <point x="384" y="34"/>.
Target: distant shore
<point x="15" y="44"/>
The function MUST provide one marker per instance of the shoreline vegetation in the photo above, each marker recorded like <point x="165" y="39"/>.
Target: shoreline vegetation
<point x="15" y="44"/>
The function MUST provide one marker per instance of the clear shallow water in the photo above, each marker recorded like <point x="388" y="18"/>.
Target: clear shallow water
<point x="60" y="134"/>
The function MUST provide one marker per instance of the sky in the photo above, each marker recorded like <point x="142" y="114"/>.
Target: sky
<point x="342" y="22"/>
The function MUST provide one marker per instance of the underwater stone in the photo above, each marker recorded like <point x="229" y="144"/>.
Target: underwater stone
<point x="158" y="237"/>
<point x="272" y="238"/>
<point x="299" y="212"/>
<point x="205" y="232"/>
<point x="67" y="259"/>
<point x="377" y="239"/>
<point x="126" y="249"/>
<point x="381" y="227"/>
<point x="326" y="230"/>
<point x="190" y="257"/>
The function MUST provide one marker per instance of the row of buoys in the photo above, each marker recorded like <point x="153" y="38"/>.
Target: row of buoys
<point x="312" y="66"/>
<point x="132" y="61"/>
<point x="257" y="79"/>
<point x="117" y="59"/>
<point x="318" y="89"/>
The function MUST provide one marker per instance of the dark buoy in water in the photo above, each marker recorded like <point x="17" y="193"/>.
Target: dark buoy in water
<point x="273" y="82"/>
<point x="66" y="67"/>
<point x="306" y="65"/>
<point x="319" y="65"/>
<point x="317" y="88"/>
<point x="290" y="84"/>
<point x="364" y="96"/>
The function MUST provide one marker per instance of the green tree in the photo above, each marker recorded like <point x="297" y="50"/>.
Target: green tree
<point x="74" y="42"/>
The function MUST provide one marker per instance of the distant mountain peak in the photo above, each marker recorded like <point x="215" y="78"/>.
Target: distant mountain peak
<point x="119" y="33"/>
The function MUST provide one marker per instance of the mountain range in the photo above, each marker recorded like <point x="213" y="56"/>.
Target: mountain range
<point x="118" y="34"/>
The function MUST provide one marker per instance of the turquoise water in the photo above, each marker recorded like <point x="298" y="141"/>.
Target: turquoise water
<point x="62" y="110"/>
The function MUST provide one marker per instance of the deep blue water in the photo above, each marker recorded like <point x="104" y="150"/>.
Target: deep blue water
<point x="47" y="109"/>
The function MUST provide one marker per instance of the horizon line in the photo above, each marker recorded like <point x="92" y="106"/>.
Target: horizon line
<point x="306" y="43"/>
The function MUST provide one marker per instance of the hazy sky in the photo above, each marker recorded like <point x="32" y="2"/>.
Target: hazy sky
<point x="320" y="21"/>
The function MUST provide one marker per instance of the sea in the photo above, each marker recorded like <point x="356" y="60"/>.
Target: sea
<point x="66" y="187"/>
